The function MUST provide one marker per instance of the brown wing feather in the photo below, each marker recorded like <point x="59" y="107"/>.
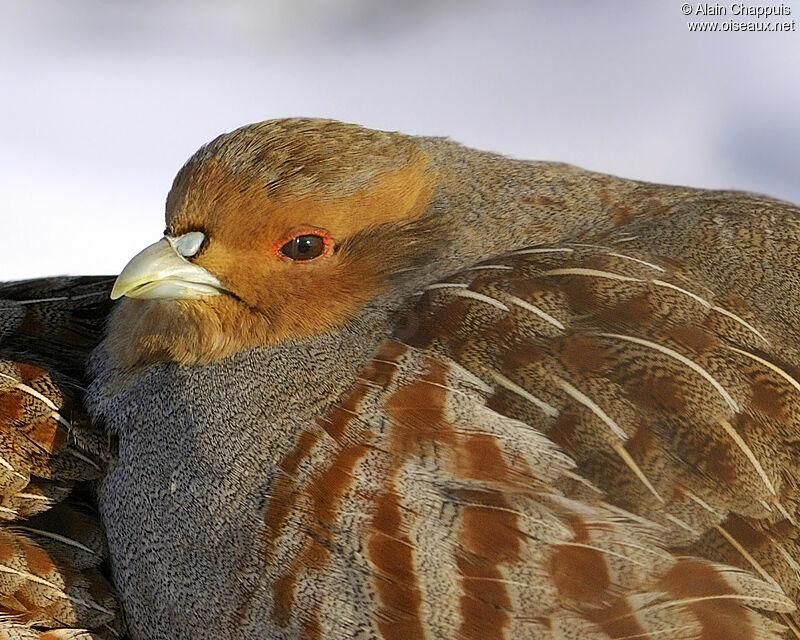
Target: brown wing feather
<point x="565" y="442"/>
<point x="51" y="541"/>
<point x="677" y="403"/>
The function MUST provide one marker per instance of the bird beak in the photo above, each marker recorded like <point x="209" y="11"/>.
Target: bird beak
<point x="162" y="271"/>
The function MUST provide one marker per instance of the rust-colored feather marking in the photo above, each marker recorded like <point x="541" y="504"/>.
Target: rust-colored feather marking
<point x="490" y="540"/>
<point x="391" y="554"/>
<point x="579" y="569"/>
<point x="592" y="439"/>
<point x="633" y="367"/>
<point x="525" y="561"/>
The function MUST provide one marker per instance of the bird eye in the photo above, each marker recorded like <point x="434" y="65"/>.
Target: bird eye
<point x="305" y="247"/>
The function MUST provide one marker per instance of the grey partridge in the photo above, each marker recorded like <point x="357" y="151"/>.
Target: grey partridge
<point x="371" y="385"/>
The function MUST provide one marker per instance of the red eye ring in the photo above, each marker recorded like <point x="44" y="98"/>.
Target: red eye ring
<point x="304" y="246"/>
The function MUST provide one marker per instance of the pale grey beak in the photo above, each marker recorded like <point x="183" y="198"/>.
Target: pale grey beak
<point x="162" y="271"/>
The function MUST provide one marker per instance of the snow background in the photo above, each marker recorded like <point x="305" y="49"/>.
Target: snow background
<point x="101" y="102"/>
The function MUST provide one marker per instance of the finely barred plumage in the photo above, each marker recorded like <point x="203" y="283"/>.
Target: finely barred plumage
<point x="508" y="400"/>
<point x="51" y="540"/>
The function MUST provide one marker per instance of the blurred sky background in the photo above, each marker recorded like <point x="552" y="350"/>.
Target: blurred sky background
<point x="101" y="102"/>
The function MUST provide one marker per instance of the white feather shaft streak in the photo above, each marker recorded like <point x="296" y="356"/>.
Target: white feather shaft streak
<point x="36" y="579"/>
<point x="592" y="406"/>
<point x="80" y="456"/>
<point x="389" y="362"/>
<point x="474" y="295"/>
<point x="586" y="483"/>
<point x="722" y="596"/>
<point x="748" y="452"/>
<point x="504" y="382"/>
<point x="783" y="374"/>
<point x="597" y="273"/>
<point x="747" y="556"/>
<point x="446" y="285"/>
<point x="682" y="359"/>
<point x="697" y="499"/>
<point x="645" y="522"/>
<point x="447" y="388"/>
<point x="680" y="523"/>
<point x="469" y="376"/>
<point x="5" y="463"/>
<point x="34" y="496"/>
<point x="586" y="401"/>
<point x="53" y="414"/>
<point x="787" y="620"/>
<point x="42" y="398"/>
<point x="644" y="262"/>
<point x="590" y="246"/>
<point x="544" y="250"/>
<point x="693" y="296"/>
<point x="714" y="307"/>
<point x="95" y="294"/>
<point x="54" y="536"/>
<point x="502" y="267"/>
<point x="786" y="555"/>
<point x="785" y="513"/>
<point x="523" y="304"/>
<point x="741" y="321"/>
<point x="59" y="418"/>
<point x="622" y="452"/>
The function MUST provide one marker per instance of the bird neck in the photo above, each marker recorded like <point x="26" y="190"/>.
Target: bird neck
<point x="497" y="204"/>
<point x="293" y="382"/>
<point x="198" y="452"/>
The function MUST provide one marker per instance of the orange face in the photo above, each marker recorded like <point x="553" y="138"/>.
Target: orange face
<point x="289" y="265"/>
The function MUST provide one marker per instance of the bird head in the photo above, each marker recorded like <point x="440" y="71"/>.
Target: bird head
<point x="279" y="230"/>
